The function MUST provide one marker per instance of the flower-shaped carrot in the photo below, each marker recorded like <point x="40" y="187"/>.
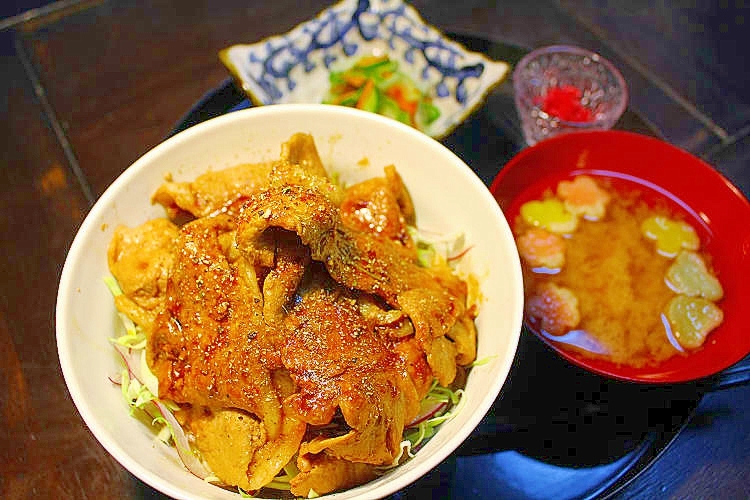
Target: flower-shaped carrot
<point x="692" y="319"/>
<point x="549" y="214"/>
<point x="671" y="236"/>
<point x="555" y="308"/>
<point x="688" y="275"/>
<point x="583" y="196"/>
<point x="540" y="248"/>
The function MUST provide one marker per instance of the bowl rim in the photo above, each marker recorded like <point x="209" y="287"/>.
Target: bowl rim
<point x="77" y="252"/>
<point x="606" y="368"/>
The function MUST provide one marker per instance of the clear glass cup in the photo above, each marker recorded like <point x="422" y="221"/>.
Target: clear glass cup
<point x="601" y="96"/>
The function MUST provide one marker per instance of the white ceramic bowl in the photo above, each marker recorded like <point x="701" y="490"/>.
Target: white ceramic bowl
<point x="448" y="197"/>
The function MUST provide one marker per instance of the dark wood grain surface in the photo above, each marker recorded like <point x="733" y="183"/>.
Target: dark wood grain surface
<point x="89" y="87"/>
<point x="46" y="450"/>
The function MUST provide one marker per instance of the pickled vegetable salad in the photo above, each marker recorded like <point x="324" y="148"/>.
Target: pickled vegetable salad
<point x="375" y="84"/>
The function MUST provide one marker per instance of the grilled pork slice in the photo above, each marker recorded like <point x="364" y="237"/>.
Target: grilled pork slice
<point x="324" y="473"/>
<point x="209" y="345"/>
<point x="434" y="300"/>
<point x="212" y="191"/>
<point x="140" y="259"/>
<point x="339" y="362"/>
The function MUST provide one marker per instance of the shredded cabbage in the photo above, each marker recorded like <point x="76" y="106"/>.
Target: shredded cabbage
<point x="282" y="481"/>
<point x="243" y="493"/>
<point x="425" y="429"/>
<point x="436" y="249"/>
<point x="134" y="337"/>
<point x="139" y="391"/>
<point x="482" y="362"/>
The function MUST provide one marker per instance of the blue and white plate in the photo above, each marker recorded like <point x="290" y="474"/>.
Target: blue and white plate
<point x="296" y="67"/>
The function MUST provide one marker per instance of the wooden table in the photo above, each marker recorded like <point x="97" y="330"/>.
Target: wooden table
<point x="91" y="86"/>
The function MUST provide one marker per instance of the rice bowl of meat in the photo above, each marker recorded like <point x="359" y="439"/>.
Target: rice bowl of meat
<point x="307" y="277"/>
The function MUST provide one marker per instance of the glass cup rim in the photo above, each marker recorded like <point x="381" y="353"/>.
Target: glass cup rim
<point x="580" y="51"/>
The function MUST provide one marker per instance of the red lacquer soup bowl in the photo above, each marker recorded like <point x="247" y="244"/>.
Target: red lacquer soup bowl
<point x="717" y="210"/>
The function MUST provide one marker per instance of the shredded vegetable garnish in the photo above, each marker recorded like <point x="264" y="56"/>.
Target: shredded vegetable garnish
<point x="438" y="249"/>
<point x="134" y="338"/>
<point x="113" y="286"/>
<point x="133" y="359"/>
<point x="136" y="394"/>
<point x="459" y="255"/>
<point x="244" y="494"/>
<point x="482" y="362"/>
<point x="139" y="389"/>
<point x="439" y="405"/>
<point x="405" y="447"/>
<point x="282" y="481"/>
<point x="312" y="494"/>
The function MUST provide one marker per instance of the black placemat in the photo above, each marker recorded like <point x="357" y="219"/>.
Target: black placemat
<point x="555" y="431"/>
